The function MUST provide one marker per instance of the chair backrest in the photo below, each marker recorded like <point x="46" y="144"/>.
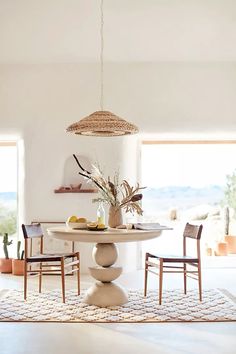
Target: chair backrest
<point x="193" y="231"/>
<point x="31" y="231"/>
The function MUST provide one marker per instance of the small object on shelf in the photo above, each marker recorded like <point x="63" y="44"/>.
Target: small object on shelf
<point x="76" y="186"/>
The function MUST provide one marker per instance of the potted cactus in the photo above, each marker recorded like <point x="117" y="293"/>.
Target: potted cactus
<point x="222" y="246"/>
<point x="19" y="263"/>
<point x="230" y="201"/>
<point x="229" y="239"/>
<point x="6" y="263"/>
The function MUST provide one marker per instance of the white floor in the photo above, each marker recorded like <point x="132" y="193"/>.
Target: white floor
<point x="51" y="338"/>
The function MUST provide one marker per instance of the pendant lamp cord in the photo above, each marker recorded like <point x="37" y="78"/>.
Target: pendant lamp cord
<point x="101" y="54"/>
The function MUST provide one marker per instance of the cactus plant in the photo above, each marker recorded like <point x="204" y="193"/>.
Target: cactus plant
<point x="18" y="264"/>
<point x="229" y="239"/>
<point x="6" y="243"/>
<point x="19" y="256"/>
<point x="226" y="220"/>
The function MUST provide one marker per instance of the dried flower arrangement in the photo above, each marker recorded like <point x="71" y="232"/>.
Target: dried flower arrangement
<point x="116" y="194"/>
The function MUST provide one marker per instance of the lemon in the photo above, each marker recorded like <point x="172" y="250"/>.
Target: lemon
<point x="92" y="224"/>
<point x="72" y="218"/>
<point x="81" y="220"/>
<point x="101" y="226"/>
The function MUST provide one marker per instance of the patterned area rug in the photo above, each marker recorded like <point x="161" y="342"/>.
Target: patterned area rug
<point x="217" y="305"/>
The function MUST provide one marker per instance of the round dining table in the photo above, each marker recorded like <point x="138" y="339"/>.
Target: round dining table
<point x="105" y="292"/>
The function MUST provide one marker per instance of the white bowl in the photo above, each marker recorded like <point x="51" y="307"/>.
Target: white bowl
<point x="76" y="225"/>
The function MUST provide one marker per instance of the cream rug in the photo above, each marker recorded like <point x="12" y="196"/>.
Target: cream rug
<point x="217" y="305"/>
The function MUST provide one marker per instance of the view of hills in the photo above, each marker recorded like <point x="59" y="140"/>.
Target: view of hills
<point x="181" y="197"/>
<point x="163" y="198"/>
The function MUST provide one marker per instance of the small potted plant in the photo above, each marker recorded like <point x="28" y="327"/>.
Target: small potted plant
<point x="19" y="263"/>
<point x="230" y="201"/>
<point x="229" y="239"/>
<point x="222" y="246"/>
<point x="6" y="263"/>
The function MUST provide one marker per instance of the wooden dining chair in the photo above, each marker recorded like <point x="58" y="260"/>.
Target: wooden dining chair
<point x="192" y="232"/>
<point x="57" y="261"/>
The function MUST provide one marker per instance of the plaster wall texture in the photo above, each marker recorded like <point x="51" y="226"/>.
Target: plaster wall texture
<point x="38" y="102"/>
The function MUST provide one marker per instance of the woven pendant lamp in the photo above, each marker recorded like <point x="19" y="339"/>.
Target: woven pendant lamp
<point x="102" y="123"/>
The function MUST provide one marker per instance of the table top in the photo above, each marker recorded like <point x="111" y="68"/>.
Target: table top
<point x="108" y="236"/>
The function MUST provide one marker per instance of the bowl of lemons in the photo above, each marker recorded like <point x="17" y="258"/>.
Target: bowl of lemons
<point x="74" y="222"/>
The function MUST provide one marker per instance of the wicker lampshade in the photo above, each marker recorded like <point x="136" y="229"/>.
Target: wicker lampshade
<point x="102" y="123"/>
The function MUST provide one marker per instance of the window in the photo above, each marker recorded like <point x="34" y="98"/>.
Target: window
<point x="186" y="182"/>
<point x="8" y="188"/>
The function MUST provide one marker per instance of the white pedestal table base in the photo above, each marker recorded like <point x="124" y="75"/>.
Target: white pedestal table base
<point x="104" y="292"/>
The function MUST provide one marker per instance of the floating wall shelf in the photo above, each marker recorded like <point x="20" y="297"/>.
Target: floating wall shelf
<point x="74" y="190"/>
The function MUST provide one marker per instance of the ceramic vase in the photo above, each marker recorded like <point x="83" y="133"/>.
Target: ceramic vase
<point x="115" y="216"/>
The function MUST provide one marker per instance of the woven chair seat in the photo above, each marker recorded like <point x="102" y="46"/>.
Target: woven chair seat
<point x="49" y="257"/>
<point x="174" y="259"/>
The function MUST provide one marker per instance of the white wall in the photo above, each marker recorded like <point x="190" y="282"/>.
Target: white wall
<point x="38" y="102"/>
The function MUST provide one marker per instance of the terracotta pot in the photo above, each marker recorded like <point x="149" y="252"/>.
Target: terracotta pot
<point x="18" y="266"/>
<point x="115" y="216"/>
<point x="222" y="249"/>
<point x="5" y="265"/>
<point x="231" y="241"/>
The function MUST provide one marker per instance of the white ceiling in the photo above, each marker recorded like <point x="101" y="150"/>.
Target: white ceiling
<point x="33" y="31"/>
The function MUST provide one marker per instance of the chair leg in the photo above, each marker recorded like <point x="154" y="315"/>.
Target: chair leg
<point x="40" y="278"/>
<point x="145" y="275"/>
<point x="160" y="281"/>
<point x="63" y="279"/>
<point x="185" y="279"/>
<point x="200" y="281"/>
<point x="25" y="280"/>
<point x="78" y="272"/>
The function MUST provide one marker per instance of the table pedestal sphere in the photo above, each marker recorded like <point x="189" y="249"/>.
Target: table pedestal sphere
<point x="104" y="292"/>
